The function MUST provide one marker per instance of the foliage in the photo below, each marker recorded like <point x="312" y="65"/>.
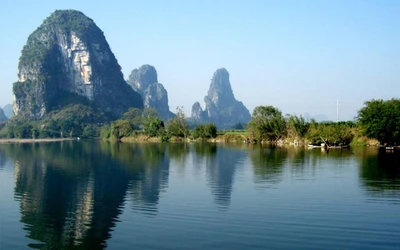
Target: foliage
<point x="72" y="121"/>
<point x="105" y="132"/>
<point x="122" y="128"/>
<point x="332" y="133"/>
<point x="178" y="126"/>
<point x="132" y="114"/>
<point x="153" y="126"/>
<point x="205" y="131"/>
<point x="151" y="123"/>
<point x="380" y="119"/>
<point x="239" y="126"/>
<point x="133" y="122"/>
<point x="20" y="88"/>
<point x="90" y="131"/>
<point x="298" y="126"/>
<point x="267" y="123"/>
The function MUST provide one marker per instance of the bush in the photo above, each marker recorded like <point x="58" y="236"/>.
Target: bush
<point x="205" y="131"/>
<point x="381" y="120"/>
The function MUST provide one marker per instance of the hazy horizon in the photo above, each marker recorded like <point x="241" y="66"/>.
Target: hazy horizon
<point x="299" y="56"/>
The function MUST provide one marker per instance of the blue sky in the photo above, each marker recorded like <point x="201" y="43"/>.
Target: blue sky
<point x="300" y="56"/>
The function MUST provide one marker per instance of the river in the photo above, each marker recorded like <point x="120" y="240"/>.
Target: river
<point x="95" y="195"/>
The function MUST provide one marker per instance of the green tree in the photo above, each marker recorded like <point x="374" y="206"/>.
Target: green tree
<point x="132" y="114"/>
<point x="122" y="128"/>
<point x="178" y="126"/>
<point x="205" y="131"/>
<point x="298" y="126"/>
<point x="90" y="131"/>
<point x="267" y="123"/>
<point x="380" y="120"/>
<point x="105" y="132"/>
<point x="153" y="126"/>
<point x="333" y="133"/>
<point x="151" y="123"/>
<point x="23" y="130"/>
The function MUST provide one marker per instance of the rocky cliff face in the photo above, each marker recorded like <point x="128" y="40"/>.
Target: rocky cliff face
<point x="144" y="81"/>
<point x="221" y="107"/>
<point x="68" y="60"/>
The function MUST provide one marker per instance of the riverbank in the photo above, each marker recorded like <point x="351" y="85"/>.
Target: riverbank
<point x="16" y="140"/>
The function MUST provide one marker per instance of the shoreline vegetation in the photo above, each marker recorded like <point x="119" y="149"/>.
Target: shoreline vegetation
<point x="25" y="140"/>
<point x="377" y="124"/>
<point x="239" y="137"/>
<point x="267" y="126"/>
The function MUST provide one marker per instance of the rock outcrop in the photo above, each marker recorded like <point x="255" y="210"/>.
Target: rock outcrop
<point x="144" y="81"/>
<point x="221" y="107"/>
<point x="3" y="117"/>
<point x="68" y="60"/>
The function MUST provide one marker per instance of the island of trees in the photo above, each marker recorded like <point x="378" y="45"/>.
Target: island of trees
<point x="378" y="123"/>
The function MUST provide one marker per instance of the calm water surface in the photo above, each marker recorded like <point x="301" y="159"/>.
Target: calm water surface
<point x="92" y="195"/>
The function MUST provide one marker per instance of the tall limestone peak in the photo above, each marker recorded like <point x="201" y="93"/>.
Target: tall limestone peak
<point x="221" y="107"/>
<point x="143" y="77"/>
<point x="68" y="60"/>
<point x="220" y="91"/>
<point x="144" y="81"/>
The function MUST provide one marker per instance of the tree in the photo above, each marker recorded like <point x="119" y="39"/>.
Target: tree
<point x="267" y="123"/>
<point x="205" y="131"/>
<point x="90" y="131"/>
<point x="178" y="126"/>
<point x="134" y="116"/>
<point x="298" y="126"/>
<point x="380" y="120"/>
<point x="153" y="126"/>
<point x="122" y="128"/>
<point x="151" y="123"/>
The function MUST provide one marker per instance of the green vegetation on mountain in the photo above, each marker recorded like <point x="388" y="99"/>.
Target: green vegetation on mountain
<point x="72" y="121"/>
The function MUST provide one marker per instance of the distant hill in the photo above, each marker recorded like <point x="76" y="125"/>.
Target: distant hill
<point x="8" y="110"/>
<point x="3" y="117"/>
<point x="318" y="117"/>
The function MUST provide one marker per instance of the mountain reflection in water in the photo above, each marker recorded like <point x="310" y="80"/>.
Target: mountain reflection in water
<point x="75" y="194"/>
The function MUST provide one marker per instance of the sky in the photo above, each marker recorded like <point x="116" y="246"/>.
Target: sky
<point x="299" y="56"/>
